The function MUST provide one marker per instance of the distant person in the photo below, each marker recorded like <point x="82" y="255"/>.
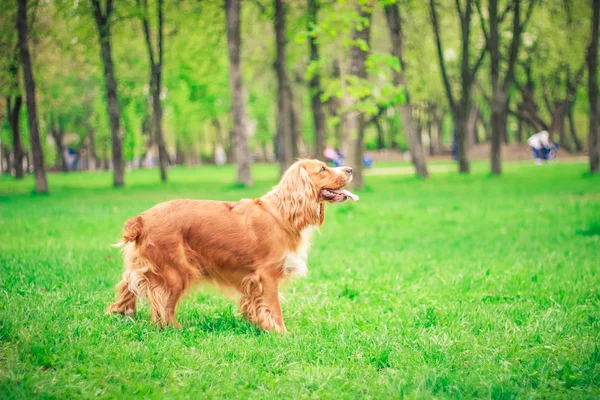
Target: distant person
<point x="329" y="154"/>
<point x="220" y="156"/>
<point x="71" y="156"/>
<point x="541" y="146"/>
<point x="339" y="157"/>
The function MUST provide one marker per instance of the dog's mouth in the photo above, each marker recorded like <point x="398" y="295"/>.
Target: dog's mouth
<point x="337" y="195"/>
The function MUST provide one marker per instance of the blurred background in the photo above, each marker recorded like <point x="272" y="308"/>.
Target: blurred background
<point x="118" y="85"/>
<point x="461" y="285"/>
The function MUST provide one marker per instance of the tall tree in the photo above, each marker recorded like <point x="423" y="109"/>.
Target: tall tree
<point x="13" y="111"/>
<point x="414" y="144"/>
<point x="58" y="133"/>
<point x="14" y="102"/>
<point x="284" y="104"/>
<point x="501" y="86"/>
<point x="594" y="119"/>
<point x="315" y="80"/>
<point x="41" y="184"/>
<point x="497" y="95"/>
<point x="234" y="43"/>
<point x="352" y="130"/>
<point x="459" y="107"/>
<point x="156" y="64"/>
<point x="103" y="24"/>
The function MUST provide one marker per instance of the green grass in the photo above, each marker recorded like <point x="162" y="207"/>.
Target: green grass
<point x="454" y="287"/>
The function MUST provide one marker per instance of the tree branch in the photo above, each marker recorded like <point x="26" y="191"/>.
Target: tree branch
<point x="545" y="95"/>
<point x="160" y="33"/>
<point x="482" y="22"/>
<point x="572" y="85"/>
<point x="261" y="8"/>
<point x="505" y="13"/>
<point x="436" y="31"/>
<point x="109" y="9"/>
<point x="528" y="14"/>
<point x="487" y="98"/>
<point x="514" y="46"/>
<point x="459" y="10"/>
<point x="97" y="12"/>
<point x="144" y="18"/>
<point x="479" y="61"/>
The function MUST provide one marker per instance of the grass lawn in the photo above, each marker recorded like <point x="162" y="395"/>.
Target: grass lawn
<point x="454" y="287"/>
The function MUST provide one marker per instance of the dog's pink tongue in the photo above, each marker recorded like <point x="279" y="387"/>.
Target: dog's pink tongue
<point x="346" y="193"/>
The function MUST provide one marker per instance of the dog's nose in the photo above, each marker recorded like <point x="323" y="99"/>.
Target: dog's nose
<point x="348" y="170"/>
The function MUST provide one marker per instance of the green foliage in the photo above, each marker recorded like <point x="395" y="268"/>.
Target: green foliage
<point x="196" y="98"/>
<point x="456" y="287"/>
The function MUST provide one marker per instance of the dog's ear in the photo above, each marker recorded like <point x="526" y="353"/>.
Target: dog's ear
<point x="299" y="197"/>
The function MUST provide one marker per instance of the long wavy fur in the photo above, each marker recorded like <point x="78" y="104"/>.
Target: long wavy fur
<point x="296" y="197"/>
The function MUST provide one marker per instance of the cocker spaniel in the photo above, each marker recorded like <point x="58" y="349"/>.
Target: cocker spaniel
<point x="249" y="246"/>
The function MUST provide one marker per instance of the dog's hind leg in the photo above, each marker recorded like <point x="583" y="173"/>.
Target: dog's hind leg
<point x="163" y="295"/>
<point x="126" y="300"/>
<point x="133" y="283"/>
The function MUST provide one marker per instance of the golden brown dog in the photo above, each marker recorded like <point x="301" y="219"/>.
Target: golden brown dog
<point x="249" y="245"/>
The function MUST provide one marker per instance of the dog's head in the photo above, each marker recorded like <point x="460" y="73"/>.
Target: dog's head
<point x="306" y="184"/>
<point x="316" y="180"/>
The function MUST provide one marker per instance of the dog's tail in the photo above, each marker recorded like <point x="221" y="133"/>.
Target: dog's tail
<point x="132" y="231"/>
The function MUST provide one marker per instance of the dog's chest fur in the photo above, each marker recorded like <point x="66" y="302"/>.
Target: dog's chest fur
<point x="295" y="261"/>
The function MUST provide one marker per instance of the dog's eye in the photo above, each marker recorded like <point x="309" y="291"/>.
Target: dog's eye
<point x="322" y="169"/>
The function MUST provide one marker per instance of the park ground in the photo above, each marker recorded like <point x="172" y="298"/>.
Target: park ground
<point x="454" y="287"/>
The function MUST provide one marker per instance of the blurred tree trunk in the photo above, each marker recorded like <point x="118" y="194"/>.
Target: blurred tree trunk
<point x="433" y="118"/>
<point x="412" y="135"/>
<point x="234" y="43"/>
<point x="91" y="147"/>
<point x="519" y="136"/>
<point x="376" y="120"/>
<point x="58" y="133"/>
<point x="594" y="118"/>
<point x="486" y="127"/>
<point x="315" y="83"/>
<point x="231" y="147"/>
<point x="156" y="64"/>
<point x="285" y="147"/>
<point x="222" y="138"/>
<point x="353" y="123"/>
<point x="180" y="154"/>
<point x="570" y="115"/>
<point x="472" y="138"/>
<point x="498" y="96"/>
<point x="41" y="184"/>
<point x="104" y="35"/>
<point x="557" y="124"/>
<point x="438" y="129"/>
<point x="5" y="158"/>
<point x="13" y="110"/>
<point x="14" y="102"/>
<point x="430" y="135"/>
<point x="459" y="107"/>
<point x="380" y="133"/>
<point x="501" y="86"/>
<point x="265" y="155"/>
<point x="296" y="127"/>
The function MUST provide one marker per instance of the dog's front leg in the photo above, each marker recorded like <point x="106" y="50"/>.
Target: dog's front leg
<point x="260" y="302"/>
